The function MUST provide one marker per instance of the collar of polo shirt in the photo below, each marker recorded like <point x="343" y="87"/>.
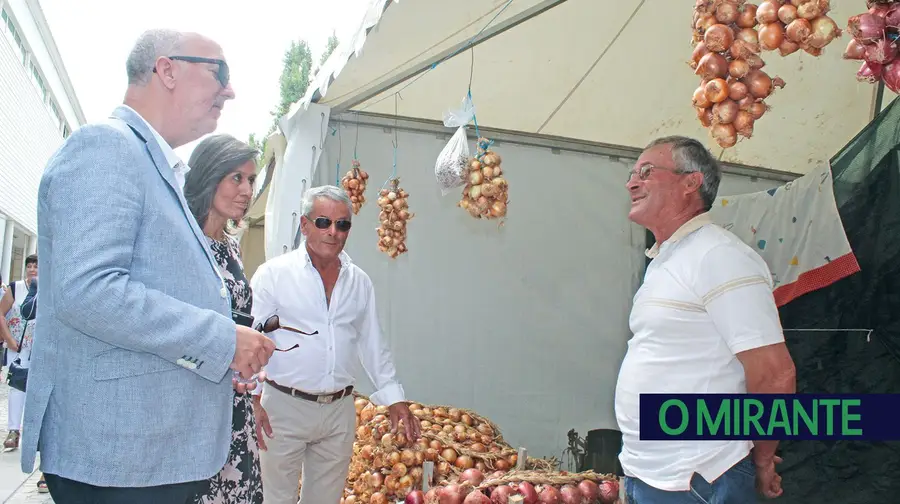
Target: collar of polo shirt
<point x="687" y="228"/>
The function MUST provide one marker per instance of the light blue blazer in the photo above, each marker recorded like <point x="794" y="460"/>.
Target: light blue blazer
<point x="129" y="382"/>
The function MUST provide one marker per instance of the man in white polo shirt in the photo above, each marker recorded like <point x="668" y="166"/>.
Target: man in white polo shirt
<point x="704" y="321"/>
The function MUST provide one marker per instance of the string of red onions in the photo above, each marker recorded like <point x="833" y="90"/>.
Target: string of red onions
<point x="875" y="43"/>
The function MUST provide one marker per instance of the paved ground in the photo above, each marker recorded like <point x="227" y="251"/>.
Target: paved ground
<point x="16" y="487"/>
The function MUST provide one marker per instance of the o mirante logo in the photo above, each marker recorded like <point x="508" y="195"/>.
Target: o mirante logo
<point x="768" y="416"/>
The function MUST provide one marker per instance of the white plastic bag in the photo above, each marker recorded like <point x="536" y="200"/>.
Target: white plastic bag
<point x="451" y="166"/>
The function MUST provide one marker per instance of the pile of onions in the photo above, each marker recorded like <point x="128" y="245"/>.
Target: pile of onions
<point x="729" y="36"/>
<point x="874" y="42"/>
<point x="354" y="182"/>
<point x="486" y="193"/>
<point x="394" y="217"/>
<point x="390" y="466"/>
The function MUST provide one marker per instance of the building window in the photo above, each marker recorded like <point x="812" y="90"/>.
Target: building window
<point x="13" y="35"/>
<point x="66" y="131"/>
<point x="38" y="81"/>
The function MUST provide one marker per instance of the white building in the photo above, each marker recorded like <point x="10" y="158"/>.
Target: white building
<point x="38" y="109"/>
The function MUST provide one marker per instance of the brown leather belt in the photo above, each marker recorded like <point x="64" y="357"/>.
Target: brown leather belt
<point x="321" y="399"/>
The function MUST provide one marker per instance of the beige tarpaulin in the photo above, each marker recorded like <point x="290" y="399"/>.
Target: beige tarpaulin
<point x="558" y="72"/>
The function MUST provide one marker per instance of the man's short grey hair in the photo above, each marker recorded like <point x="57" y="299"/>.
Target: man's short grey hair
<point x="692" y="156"/>
<point x="149" y="47"/>
<point x="333" y="193"/>
<point x="212" y="160"/>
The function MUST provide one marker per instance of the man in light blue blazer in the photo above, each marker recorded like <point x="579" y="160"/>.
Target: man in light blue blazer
<point x="129" y="396"/>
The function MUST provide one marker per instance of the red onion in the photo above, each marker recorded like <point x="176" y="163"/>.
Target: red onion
<point x="549" y="495"/>
<point x="855" y="50"/>
<point x="477" y="497"/>
<point x="415" y="497"/>
<point x="451" y="494"/>
<point x="891" y="76"/>
<point x="892" y="18"/>
<point x="590" y="490"/>
<point x="571" y="494"/>
<point x="869" y="72"/>
<point x="501" y="494"/>
<point x="473" y="476"/>
<point x="609" y="491"/>
<point x="527" y="491"/>
<point x="866" y="27"/>
<point x="882" y="51"/>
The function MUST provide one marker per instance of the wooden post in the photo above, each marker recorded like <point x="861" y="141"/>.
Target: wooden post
<point x="427" y="475"/>
<point x="521" y="459"/>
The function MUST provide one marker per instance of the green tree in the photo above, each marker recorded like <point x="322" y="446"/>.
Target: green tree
<point x="294" y="81"/>
<point x="294" y="77"/>
<point x="332" y="45"/>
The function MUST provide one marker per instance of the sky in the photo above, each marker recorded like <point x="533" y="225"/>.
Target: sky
<point x="95" y="36"/>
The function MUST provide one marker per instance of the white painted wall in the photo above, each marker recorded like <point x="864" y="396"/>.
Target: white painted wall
<point x="40" y="51"/>
<point x="28" y="136"/>
<point x="526" y="324"/>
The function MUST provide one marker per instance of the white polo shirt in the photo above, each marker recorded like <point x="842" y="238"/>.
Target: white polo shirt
<point x="706" y="297"/>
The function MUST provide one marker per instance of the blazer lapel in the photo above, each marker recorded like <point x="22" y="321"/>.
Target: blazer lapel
<point x="166" y="172"/>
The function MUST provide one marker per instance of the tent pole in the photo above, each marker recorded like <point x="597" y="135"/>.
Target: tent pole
<point x="379" y="87"/>
<point x="879" y="98"/>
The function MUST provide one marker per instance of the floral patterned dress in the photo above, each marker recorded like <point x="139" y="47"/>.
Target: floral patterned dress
<point x="240" y="481"/>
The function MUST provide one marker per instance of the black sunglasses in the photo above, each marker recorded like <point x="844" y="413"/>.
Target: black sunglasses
<point x="342" y="225"/>
<point x="273" y="324"/>
<point x="223" y="75"/>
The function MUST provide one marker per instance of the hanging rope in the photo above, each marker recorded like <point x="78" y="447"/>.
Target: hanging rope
<point x="395" y="142"/>
<point x="438" y="62"/>
<point x="337" y="174"/>
<point x="356" y="143"/>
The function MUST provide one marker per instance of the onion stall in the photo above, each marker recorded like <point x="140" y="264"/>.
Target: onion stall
<point x="471" y="463"/>
<point x="729" y="37"/>
<point x="874" y="42"/>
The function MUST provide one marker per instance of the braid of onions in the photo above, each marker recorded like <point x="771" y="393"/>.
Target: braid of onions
<point x="729" y="37"/>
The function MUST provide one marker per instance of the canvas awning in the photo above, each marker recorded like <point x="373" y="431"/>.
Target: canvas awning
<point x="562" y="68"/>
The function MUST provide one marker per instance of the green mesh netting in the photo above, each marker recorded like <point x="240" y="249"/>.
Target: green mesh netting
<point x="867" y="189"/>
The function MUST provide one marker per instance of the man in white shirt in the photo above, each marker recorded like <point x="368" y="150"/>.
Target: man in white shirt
<point x="325" y="306"/>
<point x="704" y="321"/>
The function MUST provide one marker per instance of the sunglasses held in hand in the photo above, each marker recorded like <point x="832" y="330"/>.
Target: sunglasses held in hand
<point x="273" y="324"/>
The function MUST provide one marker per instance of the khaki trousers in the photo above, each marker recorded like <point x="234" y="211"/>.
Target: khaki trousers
<point x="310" y="438"/>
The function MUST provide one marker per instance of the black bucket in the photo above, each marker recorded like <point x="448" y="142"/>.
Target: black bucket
<point x="602" y="447"/>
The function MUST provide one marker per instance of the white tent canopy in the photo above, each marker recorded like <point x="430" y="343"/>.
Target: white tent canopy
<point x="558" y="68"/>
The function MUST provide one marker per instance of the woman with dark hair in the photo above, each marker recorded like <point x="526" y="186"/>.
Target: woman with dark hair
<point x="219" y="189"/>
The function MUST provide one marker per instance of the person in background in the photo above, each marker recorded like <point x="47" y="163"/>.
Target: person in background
<point x="219" y="190"/>
<point x="704" y="321"/>
<point x="17" y="334"/>
<point x="130" y="389"/>
<point x="325" y="304"/>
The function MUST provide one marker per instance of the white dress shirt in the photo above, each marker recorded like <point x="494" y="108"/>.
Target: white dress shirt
<point x="175" y="163"/>
<point x="291" y="287"/>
